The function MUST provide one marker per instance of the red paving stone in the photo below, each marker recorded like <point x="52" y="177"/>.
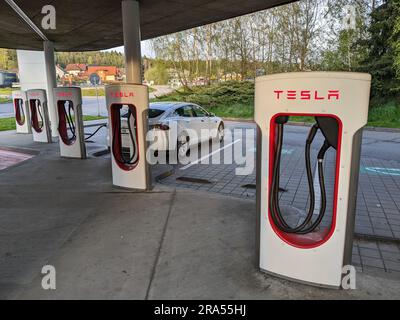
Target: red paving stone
<point x="10" y="158"/>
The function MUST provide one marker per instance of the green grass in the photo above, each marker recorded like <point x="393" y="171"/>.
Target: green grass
<point x="9" y="123"/>
<point x="5" y="100"/>
<point x="236" y="100"/>
<point x="387" y="116"/>
<point x="7" y="90"/>
<point x="92" y="92"/>
<point x="90" y="118"/>
<point x="302" y="119"/>
<point x="234" y="111"/>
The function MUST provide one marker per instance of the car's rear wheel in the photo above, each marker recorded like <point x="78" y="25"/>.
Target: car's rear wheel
<point x="183" y="146"/>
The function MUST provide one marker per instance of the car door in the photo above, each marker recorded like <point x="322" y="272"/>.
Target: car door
<point x="203" y="123"/>
<point x="188" y="123"/>
<point x="213" y="124"/>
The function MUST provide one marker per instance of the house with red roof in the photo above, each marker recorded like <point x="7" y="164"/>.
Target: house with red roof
<point x="76" y="69"/>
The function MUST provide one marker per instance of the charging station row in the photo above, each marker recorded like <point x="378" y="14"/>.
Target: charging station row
<point x="127" y="106"/>
<point x="32" y="116"/>
<point x="309" y="244"/>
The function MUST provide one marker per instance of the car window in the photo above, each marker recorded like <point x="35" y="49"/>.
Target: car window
<point x="185" y="111"/>
<point x="154" y="113"/>
<point x="200" y="112"/>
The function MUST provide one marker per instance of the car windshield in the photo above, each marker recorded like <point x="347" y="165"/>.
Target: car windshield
<point x="154" y="113"/>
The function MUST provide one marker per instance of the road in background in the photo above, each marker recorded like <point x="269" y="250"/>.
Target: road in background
<point x="90" y="106"/>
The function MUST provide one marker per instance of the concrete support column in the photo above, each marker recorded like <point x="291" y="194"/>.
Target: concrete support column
<point x="132" y="38"/>
<point x="51" y="77"/>
<point x="133" y="62"/>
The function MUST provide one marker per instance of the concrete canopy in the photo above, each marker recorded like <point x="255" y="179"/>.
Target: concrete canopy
<point x="95" y="25"/>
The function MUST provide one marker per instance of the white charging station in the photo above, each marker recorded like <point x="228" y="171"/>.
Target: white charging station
<point x="339" y="102"/>
<point x="39" y="113"/>
<point x="127" y="106"/>
<point x="21" y="111"/>
<point x="68" y="102"/>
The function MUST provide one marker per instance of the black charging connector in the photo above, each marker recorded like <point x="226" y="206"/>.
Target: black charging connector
<point x="281" y="119"/>
<point x="330" y="129"/>
<point x="120" y="157"/>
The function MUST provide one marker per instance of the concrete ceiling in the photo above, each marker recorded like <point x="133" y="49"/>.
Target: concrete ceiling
<point x="97" y="24"/>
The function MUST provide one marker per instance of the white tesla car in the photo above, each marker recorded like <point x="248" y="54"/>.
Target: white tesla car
<point x="186" y="123"/>
<point x="192" y="123"/>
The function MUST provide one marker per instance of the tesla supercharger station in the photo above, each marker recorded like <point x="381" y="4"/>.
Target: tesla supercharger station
<point x="21" y="111"/>
<point x="70" y="122"/>
<point x="304" y="249"/>
<point x="127" y="106"/>
<point x="39" y="113"/>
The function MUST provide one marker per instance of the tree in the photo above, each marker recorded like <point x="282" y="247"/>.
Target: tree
<point x="112" y="58"/>
<point x="8" y="59"/>
<point x="380" y="61"/>
<point x="345" y="51"/>
<point x="158" y="73"/>
<point x="395" y="39"/>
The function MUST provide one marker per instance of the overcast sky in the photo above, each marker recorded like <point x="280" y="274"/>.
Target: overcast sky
<point x="146" y="49"/>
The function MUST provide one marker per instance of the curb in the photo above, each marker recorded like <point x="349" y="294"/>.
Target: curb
<point x="239" y="120"/>
<point x="382" y="129"/>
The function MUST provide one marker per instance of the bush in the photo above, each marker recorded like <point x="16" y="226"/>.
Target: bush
<point x="385" y="116"/>
<point x="231" y="99"/>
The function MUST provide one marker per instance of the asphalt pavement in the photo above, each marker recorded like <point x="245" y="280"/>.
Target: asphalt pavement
<point x="169" y="243"/>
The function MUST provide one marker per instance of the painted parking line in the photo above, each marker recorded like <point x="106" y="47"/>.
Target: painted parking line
<point x="382" y="171"/>
<point x="287" y="151"/>
<point x="284" y="151"/>
<point x="209" y="155"/>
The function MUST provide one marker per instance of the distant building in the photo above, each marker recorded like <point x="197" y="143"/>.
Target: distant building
<point x="76" y="69"/>
<point x="106" y="73"/>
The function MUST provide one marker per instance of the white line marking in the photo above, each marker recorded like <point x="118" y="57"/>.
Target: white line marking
<point x="384" y="171"/>
<point x="209" y="155"/>
<point x="287" y="151"/>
